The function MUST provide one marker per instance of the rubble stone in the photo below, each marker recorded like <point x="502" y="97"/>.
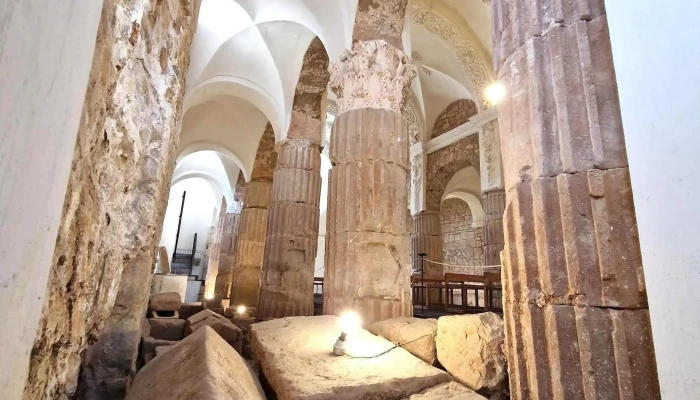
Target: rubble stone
<point x="470" y="348"/>
<point x="407" y="329"/>
<point x="149" y="346"/>
<point x="295" y="355"/>
<point x="447" y="391"/>
<point x="225" y="328"/>
<point x="170" y="301"/>
<point x="189" y="309"/>
<point x="167" y="329"/>
<point x="202" y="366"/>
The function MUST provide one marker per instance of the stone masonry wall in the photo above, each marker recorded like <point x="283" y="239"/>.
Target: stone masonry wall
<point x="113" y="210"/>
<point x="454" y="115"/>
<point x="462" y="244"/>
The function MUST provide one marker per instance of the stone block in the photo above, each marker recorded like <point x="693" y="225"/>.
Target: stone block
<point x="167" y="329"/>
<point x="164" y="283"/>
<point x="189" y="309"/>
<point x="470" y="348"/>
<point x="295" y="355"/>
<point x="406" y="329"/>
<point x="225" y="328"/>
<point x="243" y="323"/>
<point x="163" y="349"/>
<point x="170" y="301"/>
<point x="447" y="391"/>
<point x="202" y="366"/>
<point x="149" y="346"/>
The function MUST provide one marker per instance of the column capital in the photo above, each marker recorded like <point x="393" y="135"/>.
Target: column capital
<point x="373" y="74"/>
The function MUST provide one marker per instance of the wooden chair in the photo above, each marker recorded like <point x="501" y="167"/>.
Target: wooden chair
<point x="464" y="283"/>
<point x="492" y="281"/>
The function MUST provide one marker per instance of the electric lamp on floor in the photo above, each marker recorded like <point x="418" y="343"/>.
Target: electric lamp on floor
<point x="349" y="323"/>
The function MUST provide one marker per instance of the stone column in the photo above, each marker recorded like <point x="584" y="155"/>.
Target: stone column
<point x="494" y="205"/>
<point x="252" y="225"/>
<point x="292" y="231"/>
<point x="229" y="233"/>
<point x="575" y="301"/>
<point x="367" y="242"/>
<point x="427" y="238"/>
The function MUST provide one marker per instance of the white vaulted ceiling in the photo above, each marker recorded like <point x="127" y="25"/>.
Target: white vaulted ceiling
<point x="247" y="54"/>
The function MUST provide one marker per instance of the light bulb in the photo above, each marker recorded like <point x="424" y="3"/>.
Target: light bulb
<point x="495" y="93"/>
<point x="349" y="322"/>
<point x="240" y="310"/>
<point x="209" y="296"/>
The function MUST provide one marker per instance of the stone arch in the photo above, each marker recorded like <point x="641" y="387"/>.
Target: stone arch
<point x="462" y="241"/>
<point x="465" y="46"/>
<point x="454" y="115"/>
<point x="444" y="163"/>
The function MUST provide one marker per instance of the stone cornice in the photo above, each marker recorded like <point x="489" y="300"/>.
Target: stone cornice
<point x="373" y="74"/>
<point x="467" y="129"/>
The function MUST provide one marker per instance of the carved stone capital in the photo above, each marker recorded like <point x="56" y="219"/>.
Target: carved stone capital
<point x="373" y="74"/>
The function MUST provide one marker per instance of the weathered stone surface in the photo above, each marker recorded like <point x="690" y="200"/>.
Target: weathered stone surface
<point x="380" y="19"/>
<point x="189" y="309"/>
<point x="167" y="329"/>
<point x="447" y="391"/>
<point x="170" y="301"/>
<point x="367" y="239"/>
<point x="252" y="225"/>
<point x="123" y="156"/>
<point x="225" y="328"/>
<point x="406" y="329"/>
<point x="470" y="348"/>
<point x="462" y="241"/>
<point x="149" y="346"/>
<point x="229" y="232"/>
<point x="427" y="239"/>
<point x="202" y="366"/>
<point x="444" y="163"/>
<point x="163" y="349"/>
<point x="494" y="205"/>
<point x="163" y="283"/>
<point x="454" y="115"/>
<point x="574" y="291"/>
<point x="295" y="355"/>
<point x="163" y="260"/>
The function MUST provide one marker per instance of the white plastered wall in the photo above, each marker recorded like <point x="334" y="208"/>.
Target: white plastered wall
<point x="656" y="50"/>
<point x="45" y="59"/>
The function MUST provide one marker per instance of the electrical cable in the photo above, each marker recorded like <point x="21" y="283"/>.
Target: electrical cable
<point x="389" y="349"/>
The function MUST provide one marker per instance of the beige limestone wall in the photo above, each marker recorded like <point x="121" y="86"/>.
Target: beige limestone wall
<point x="444" y="163"/>
<point x="462" y="243"/>
<point x="113" y="210"/>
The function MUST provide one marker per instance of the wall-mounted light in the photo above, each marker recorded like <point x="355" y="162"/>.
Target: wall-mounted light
<point x="241" y="310"/>
<point x="349" y="323"/>
<point x="495" y="92"/>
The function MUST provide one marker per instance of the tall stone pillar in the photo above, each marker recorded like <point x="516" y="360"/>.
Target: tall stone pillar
<point x="427" y="238"/>
<point x="494" y="205"/>
<point x="229" y="232"/>
<point x="213" y="265"/>
<point x="367" y="242"/>
<point x="292" y="230"/>
<point x="575" y="301"/>
<point x="252" y="225"/>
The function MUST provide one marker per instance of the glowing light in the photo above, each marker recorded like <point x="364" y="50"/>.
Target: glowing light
<point x="209" y="296"/>
<point x="349" y="322"/>
<point x="495" y="93"/>
<point x="240" y="309"/>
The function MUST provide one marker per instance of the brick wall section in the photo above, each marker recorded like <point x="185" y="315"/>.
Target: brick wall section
<point x="453" y="116"/>
<point x="462" y="244"/>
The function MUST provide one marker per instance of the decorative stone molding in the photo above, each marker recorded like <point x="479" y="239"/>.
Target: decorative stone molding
<point x="373" y="74"/>
<point x="473" y="126"/>
<point x="413" y="127"/>
<point x="466" y="49"/>
<point x="490" y="157"/>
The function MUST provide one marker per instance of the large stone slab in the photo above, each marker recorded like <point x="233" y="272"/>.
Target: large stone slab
<point x="167" y="329"/>
<point x="225" y="328"/>
<point x="168" y="301"/>
<point x="295" y="354"/>
<point x="447" y="391"/>
<point x="407" y="329"/>
<point x="202" y="366"/>
<point x="470" y="348"/>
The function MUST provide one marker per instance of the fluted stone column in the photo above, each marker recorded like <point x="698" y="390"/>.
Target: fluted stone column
<point x="252" y="225"/>
<point x="575" y="302"/>
<point x="227" y="234"/>
<point x="292" y="232"/>
<point x="367" y="242"/>
<point x="427" y="238"/>
<point x="494" y="205"/>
